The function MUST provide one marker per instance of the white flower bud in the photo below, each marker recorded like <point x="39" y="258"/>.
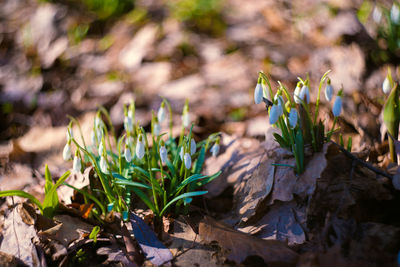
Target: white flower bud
<point x="156" y="129"/>
<point x="337" y="106"/>
<point x="67" y="152"/>
<point x="77" y="165"/>
<point x="297" y="94"/>
<point x="128" y="124"/>
<point x="161" y="114"/>
<point x="377" y="14"/>
<point x="181" y="153"/>
<point x="127" y="154"/>
<point x="103" y="165"/>
<point x="328" y="92"/>
<point x="305" y="94"/>
<point x="293" y="118"/>
<point x="101" y="147"/>
<point x="386" y="86"/>
<point x="140" y="148"/>
<point x="192" y="147"/>
<point x="274" y="114"/>
<point x="280" y="104"/>
<point x="186" y="120"/>
<point x="163" y="154"/>
<point x="215" y="150"/>
<point x="187" y="160"/>
<point x="394" y="13"/>
<point x="258" y="93"/>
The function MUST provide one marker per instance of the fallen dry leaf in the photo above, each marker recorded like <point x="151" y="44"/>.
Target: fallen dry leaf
<point x="241" y="245"/>
<point x="187" y="249"/>
<point x="17" y="238"/>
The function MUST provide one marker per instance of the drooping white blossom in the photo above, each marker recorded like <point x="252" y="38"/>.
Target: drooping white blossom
<point x="386" y="86"/>
<point x="215" y="150"/>
<point x="192" y="146"/>
<point x="337" y="106"/>
<point x="67" y="152"/>
<point x="187" y="160"/>
<point x="258" y="93"/>
<point x="163" y="154"/>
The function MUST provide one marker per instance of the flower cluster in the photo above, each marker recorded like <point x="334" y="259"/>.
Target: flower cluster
<point x="158" y="168"/>
<point x="293" y="117"/>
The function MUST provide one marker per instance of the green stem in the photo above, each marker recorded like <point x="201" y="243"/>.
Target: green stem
<point x="79" y="128"/>
<point x="319" y="95"/>
<point x="332" y="131"/>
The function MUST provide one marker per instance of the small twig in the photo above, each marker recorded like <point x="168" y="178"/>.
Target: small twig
<point x="362" y="162"/>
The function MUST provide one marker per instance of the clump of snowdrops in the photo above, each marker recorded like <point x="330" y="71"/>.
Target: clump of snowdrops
<point x="292" y="114"/>
<point x="162" y="171"/>
<point x="391" y="112"/>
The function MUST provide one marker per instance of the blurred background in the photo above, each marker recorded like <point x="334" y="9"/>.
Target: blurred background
<point x="69" y="56"/>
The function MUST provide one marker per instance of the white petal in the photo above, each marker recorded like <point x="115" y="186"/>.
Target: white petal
<point x="103" y="165"/>
<point x="157" y="129"/>
<point x="128" y="125"/>
<point x="188" y="161"/>
<point x="293" y="118"/>
<point x="67" y="152"/>
<point x="140" y="149"/>
<point x="186" y="120"/>
<point x="128" y="155"/>
<point x="328" y="92"/>
<point x="258" y="94"/>
<point x="274" y="114"/>
<point x="161" y="114"/>
<point x="337" y="106"/>
<point x="101" y="147"/>
<point x="77" y="166"/>
<point x="386" y="86"/>
<point x="181" y="153"/>
<point x="297" y="95"/>
<point x="215" y="150"/>
<point x="305" y="94"/>
<point x="163" y="154"/>
<point x="192" y="147"/>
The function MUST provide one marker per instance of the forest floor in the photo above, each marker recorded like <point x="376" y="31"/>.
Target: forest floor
<point x="58" y="59"/>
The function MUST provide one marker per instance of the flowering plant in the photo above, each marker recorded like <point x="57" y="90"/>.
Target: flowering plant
<point x="162" y="171"/>
<point x="294" y="118"/>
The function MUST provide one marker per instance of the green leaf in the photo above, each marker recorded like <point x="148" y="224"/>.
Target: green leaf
<point x="171" y="168"/>
<point x="200" y="160"/>
<point x="19" y="193"/>
<point x="133" y="184"/>
<point x="50" y="202"/>
<point x="93" y="234"/>
<point x="349" y="143"/>
<point x="189" y="180"/>
<point x="391" y="118"/>
<point x="49" y="182"/>
<point x="89" y="196"/>
<point x="145" y="199"/>
<point x="190" y="194"/>
<point x="281" y="141"/>
<point x="205" y="181"/>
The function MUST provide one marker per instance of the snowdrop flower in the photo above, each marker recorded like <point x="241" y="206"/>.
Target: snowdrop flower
<point x="67" y="151"/>
<point x="215" y="149"/>
<point x="305" y="94"/>
<point x="127" y="154"/>
<point x="394" y="13"/>
<point x="187" y="160"/>
<point x="140" y="147"/>
<point x="93" y="138"/>
<point x="258" y="93"/>
<point x="192" y="147"/>
<point x="297" y="93"/>
<point x="181" y="153"/>
<point x="337" y="106"/>
<point x="328" y="91"/>
<point x="161" y="113"/>
<point x="386" y="86"/>
<point x="128" y="124"/>
<point x="101" y="147"/>
<point x="279" y="98"/>
<point x="186" y="120"/>
<point x="103" y="165"/>
<point x="293" y="118"/>
<point x="274" y="114"/>
<point x="376" y="15"/>
<point x="98" y="123"/>
<point x="156" y="129"/>
<point x="77" y="165"/>
<point x="163" y="154"/>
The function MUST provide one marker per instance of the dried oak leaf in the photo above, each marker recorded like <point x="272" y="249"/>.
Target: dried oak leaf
<point x="241" y="245"/>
